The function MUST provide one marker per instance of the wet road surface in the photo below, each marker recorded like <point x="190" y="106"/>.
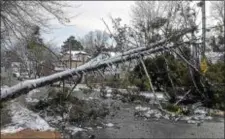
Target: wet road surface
<point x="126" y="125"/>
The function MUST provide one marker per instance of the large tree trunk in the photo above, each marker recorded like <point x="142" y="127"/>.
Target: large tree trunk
<point x="26" y="86"/>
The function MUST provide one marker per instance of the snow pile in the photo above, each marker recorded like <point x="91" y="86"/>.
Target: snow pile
<point x="89" y="98"/>
<point x="147" y="112"/>
<point x="199" y="115"/>
<point x="30" y="96"/>
<point x="22" y="118"/>
<point x="153" y="113"/>
<point x="53" y="119"/>
<point x="17" y="74"/>
<point x="11" y="129"/>
<point x="89" y="128"/>
<point x="76" y="52"/>
<point x="96" y="89"/>
<point x="109" y="124"/>
<point x="160" y="96"/>
<point x="200" y="111"/>
<point x="30" y="100"/>
<point x="99" y="127"/>
<point x="140" y="108"/>
<point x="73" y="130"/>
<point x="80" y="87"/>
<point x="108" y="92"/>
<point x="108" y="95"/>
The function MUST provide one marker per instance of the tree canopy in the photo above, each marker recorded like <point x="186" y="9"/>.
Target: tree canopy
<point x="96" y="42"/>
<point x="75" y="44"/>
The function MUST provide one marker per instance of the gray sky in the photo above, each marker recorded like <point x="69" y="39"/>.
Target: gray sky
<point x="89" y="18"/>
<point x="89" y="15"/>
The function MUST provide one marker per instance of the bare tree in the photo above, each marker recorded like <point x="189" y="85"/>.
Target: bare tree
<point x="147" y="18"/>
<point x="217" y="38"/>
<point x="217" y="11"/>
<point x="155" y="19"/>
<point x="96" y="41"/>
<point x="19" y="17"/>
<point x="37" y="61"/>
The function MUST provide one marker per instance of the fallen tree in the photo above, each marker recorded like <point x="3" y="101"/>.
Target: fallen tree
<point x="26" y="86"/>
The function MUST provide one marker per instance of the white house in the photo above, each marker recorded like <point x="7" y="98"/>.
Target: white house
<point x="78" y="58"/>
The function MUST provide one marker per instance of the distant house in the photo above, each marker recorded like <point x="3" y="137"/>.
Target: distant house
<point x="78" y="58"/>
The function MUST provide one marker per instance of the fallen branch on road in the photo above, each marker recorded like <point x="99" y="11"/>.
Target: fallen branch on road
<point x="182" y="97"/>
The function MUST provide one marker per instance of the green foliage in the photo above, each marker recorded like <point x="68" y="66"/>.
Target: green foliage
<point x="219" y="94"/>
<point x="35" y="44"/>
<point x="75" y="44"/>
<point x="142" y="83"/>
<point x="173" y="108"/>
<point x="179" y="74"/>
<point x="157" y="70"/>
<point x="117" y="82"/>
<point x="36" y="50"/>
<point x="177" y="109"/>
<point x="124" y="82"/>
<point x="216" y="72"/>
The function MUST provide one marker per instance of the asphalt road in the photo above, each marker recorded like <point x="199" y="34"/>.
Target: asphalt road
<point x="128" y="126"/>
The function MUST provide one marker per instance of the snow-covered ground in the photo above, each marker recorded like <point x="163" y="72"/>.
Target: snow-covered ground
<point x="30" y="96"/>
<point x="23" y="118"/>
<point x="73" y="129"/>
<point x="199" y="115"/>
<point x="80" y="86"/>
<point x="109" y="124"/>
<point x="159" y="95"/>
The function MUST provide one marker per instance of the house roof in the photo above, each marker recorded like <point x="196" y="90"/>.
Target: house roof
<point x="75" y="55"/>
<point x="60" y="68"/>
<point x="76" y="52"/>
<point x="104" y="56"/>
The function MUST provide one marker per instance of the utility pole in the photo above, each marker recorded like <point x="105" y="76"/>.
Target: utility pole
<point x="203" y="28"/>
<point x="70" y="54"/>
<point x="70" y="58"/>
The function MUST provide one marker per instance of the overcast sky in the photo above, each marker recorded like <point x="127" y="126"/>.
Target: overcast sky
<point x="89" y="15"/>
